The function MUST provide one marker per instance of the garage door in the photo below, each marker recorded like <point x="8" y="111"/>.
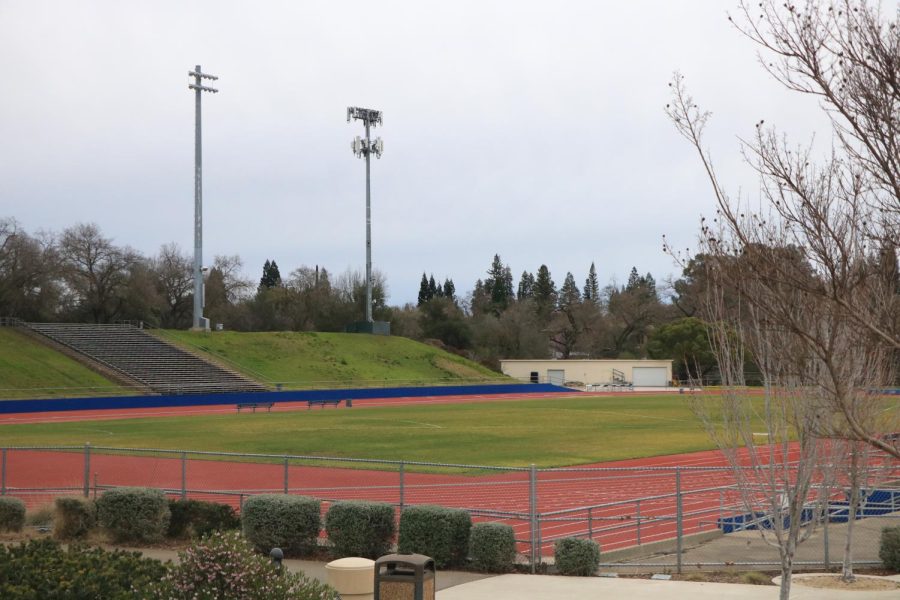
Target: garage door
<point x="649" y="376"/>
<point x="556" y="377"/>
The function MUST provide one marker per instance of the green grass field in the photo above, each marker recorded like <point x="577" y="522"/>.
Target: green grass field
<point x="298" y="359"/>
<point x="546" y="432"/>
<point x="29" y="369"/>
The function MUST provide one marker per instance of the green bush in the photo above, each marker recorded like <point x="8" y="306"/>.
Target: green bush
<point x="74" y="517"/>
<point x="291" y="523"/>
<point x="41" y="569"/>
<point x="435" y="531"/>
<point x="360" y="528"/>
<point x="224" y="566"/>
<point x="198" y="518"/>
<point x="574" y="556"/>
<point x="889" y="551"/>
<point x="12" y="514"/>
<point x="492" y="547"/>
<point x="134" y="514"/>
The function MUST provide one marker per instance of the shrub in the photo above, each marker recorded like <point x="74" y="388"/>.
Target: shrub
<point x="360" y="528"/>
<point x="198" y="518"/>
<point x="492" y="547"/>
<point x="756" y="578"/>
<point x="291" y="523"/>
<point x="438" y="532"/>
<point x="41" y="517"/>
<point x="224" y="566"/>
<point x="134" y="514"/>
<point x="74" y="517"/>
<point x="574" y="556"/>
<point x="42" y="569"/>
<point x="889" y="551"/>
<point x="12" y="514"/>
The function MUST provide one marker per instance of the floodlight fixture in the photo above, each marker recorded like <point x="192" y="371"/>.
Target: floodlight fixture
<point x="364" y="148"/>
<point x="199" y="322"/>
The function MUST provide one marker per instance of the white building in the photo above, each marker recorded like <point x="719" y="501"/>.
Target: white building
<point x="640" y="373"/>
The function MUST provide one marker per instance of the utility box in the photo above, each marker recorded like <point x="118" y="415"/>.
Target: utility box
<point x="404" y="577"/>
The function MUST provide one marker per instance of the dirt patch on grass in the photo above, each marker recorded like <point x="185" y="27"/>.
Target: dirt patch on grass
<point x="834" y="582"/>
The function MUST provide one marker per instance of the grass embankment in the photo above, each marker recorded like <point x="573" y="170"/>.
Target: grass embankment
<point x="305" y="359"/>
<point x="29" y="369"/>
<point x="547" y="432"/>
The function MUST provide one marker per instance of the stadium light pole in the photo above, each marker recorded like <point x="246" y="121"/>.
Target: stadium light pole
<point x="366" y="147"/>
<point x="198" y="75"/>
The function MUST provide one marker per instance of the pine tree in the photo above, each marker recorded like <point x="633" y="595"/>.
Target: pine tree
<point x="634" y="280"/>
<point x="499" y="285"/>
<point x="424" y="296"/>
<point x="545" y="295"/>
<point x="271" y="277"/>
<point x="526" y="286"/>
<point x="569" y="296"/>
<point x="450" y="290"/>
<point x="592" y="286"/>
<point x="432" y="288"/>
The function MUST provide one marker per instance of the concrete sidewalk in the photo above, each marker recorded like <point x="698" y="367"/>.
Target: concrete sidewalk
<point x="550" y="587"/>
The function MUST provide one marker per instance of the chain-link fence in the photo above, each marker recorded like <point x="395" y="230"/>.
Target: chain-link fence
<point x="642" y="517"/>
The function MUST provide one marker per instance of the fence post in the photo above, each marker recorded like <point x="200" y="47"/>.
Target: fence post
<point x="679" y="520"/>
<point x="590" y="524"/>
<point x="286" y="465"/>
<point x="825" y="547"/>
<point x="87" y="470"/>
<point x="3" y="475"/>
<point x="402" y="484"/>
<point x="184" y="475"/>
<point x="532" y="506"/>
<point x="638" y="517"/>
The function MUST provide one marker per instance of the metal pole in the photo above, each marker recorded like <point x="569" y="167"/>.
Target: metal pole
<point x="590" y="524"/>
<point x="3" y="475"/>
<point x="679" y="520"/>
<point x="286" y="465"/>
<point x="532" y="500"/>
<point x="368" y="230"/>
<point x="87" y="470"/>
<point x="402" y="485"/>
<point x="198" y="207"/>
<point x="184" y="475"/>
<point x="638" y="516"/>
<point x="825" y="536"/>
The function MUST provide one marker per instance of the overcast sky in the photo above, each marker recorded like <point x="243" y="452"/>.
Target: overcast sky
<point x="534" y="130"/>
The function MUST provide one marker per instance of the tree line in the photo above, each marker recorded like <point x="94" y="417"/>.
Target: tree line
<point x="81" y="275"/>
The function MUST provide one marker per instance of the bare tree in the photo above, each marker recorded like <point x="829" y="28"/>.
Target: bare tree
<point x="96" y="271"/>
<point x="174" y="282"/>
<point x="29" y="287"/>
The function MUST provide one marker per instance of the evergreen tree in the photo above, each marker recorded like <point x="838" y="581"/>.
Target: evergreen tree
<point x="634" y="280"/>
<point x="569" y="296"/>
<point x="499" y="286"/>
<point x="450" y="290"/>
<point x="526" y="286"/>
<point x="271" y="277"/>
<point x="592" y="286"/>
<point x="424" y="295"/>
<point x="545" y="296"/>
<point x="432" y="288"/>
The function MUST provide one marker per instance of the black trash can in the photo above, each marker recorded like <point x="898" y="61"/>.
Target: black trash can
<point x="404" y="577"/>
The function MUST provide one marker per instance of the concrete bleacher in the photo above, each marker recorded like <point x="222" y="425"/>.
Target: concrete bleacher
<point x="144" y="358"/>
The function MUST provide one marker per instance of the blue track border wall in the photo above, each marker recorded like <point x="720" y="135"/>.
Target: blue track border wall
<point x="119" y="402"/>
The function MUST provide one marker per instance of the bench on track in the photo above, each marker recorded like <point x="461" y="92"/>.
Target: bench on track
<point x="322" y="402"/>
<point x="254" y="405"/>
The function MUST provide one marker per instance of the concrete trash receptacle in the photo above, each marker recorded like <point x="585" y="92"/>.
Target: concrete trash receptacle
<point x="352" y="577"/>
<point x="404" y="577"/>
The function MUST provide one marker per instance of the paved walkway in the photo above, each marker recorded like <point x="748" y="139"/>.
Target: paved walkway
<point x="549" y="587"/>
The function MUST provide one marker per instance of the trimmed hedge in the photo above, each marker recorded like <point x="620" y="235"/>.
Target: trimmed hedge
<point x="435" y="531"/>
<point x="360" y="528"/>
<point x="12" y="514"/>
<point x="42" y="569"/>
<point x="291" y="523"/>
<point x="134" y="514"/>
<point x="889" y="550"/>
<point x="575" y="556"/>
<point x="199" y="518"/>
<point x="492" y="547"/>
<point x="74" y="517"/>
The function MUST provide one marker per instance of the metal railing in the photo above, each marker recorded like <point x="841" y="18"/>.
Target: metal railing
<point x="635" y="513"/>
